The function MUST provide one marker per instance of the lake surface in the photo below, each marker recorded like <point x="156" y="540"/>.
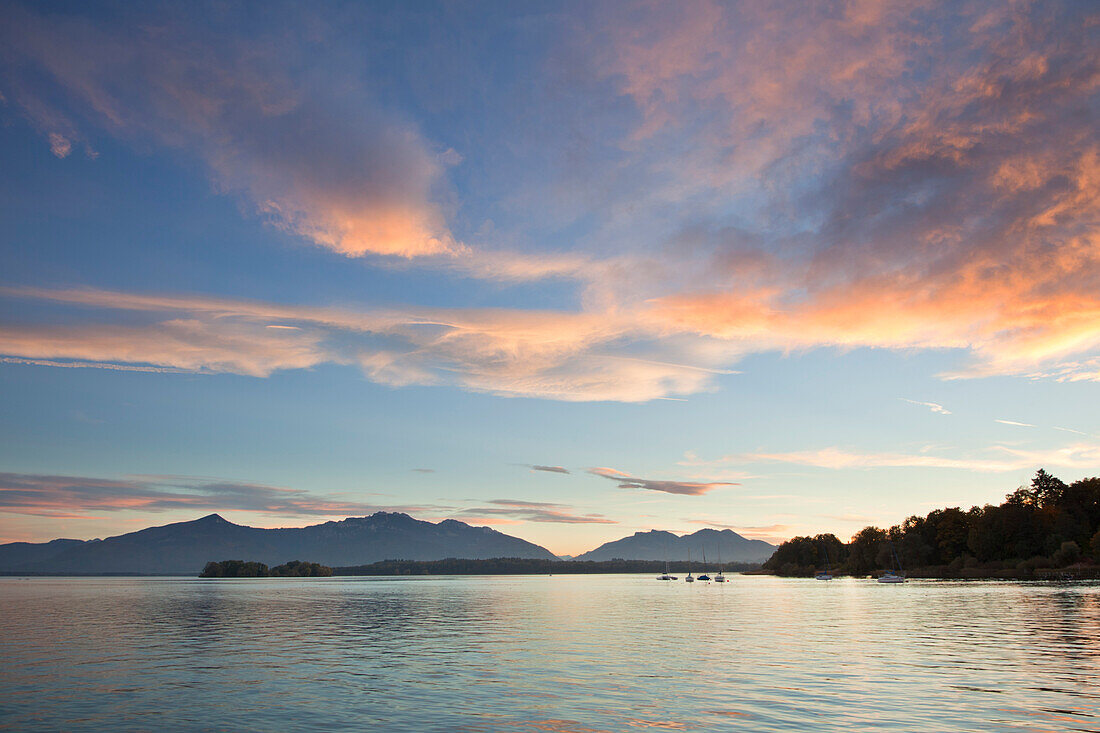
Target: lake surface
<point x="538" y="653"/>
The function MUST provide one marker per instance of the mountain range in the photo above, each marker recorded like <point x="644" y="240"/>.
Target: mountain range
<point x="185" y="547"/>
<point x="725" y="545"/>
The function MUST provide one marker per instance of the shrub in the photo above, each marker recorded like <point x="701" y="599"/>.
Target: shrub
<point x="1067" y="554"/>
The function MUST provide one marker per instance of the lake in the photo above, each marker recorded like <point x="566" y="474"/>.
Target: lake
<point x="539" y="653"/>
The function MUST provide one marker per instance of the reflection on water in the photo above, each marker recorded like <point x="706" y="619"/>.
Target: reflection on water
<point x="561" y="653"/>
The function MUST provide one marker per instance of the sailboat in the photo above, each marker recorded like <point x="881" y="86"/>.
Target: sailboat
<point x="890" y="576"/>
<point x="704" y="576"/>
<point x="719" y="578"/>
<point x="666" y="576"/>
<point x="825" y="574"/>
<point x="689" y="579"/>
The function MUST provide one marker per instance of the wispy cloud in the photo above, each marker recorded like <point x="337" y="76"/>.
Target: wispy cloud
<point x="549" y="354"/>
<point x="934" y="407"/>
<point x="423" y="470"/>
<point x="535" y="511"/>
<point x="90" y="365"/>
<point x="1013" y="422"/>
<point x="46" y="495"/>
<point x="549" y="469"/>
<point x="683" y="488"/>
<point x="997" y="458"/>
<point x="739" y="528"/>
<point x="334" y="168"/>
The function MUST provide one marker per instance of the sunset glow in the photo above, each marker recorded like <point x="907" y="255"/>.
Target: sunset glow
<point x="582" y="270"/>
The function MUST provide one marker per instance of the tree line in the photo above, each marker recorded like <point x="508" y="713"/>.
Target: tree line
<point x="1047" y="524"/>
<point x="248" y="569"/>
<point x="528" y="566"/>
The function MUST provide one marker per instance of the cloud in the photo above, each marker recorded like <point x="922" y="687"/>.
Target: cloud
<point x="535" y="511"/>
<point x="60" y="145"/>
<point x="936" y="408"/>
<point x="549" y="354"/>
<point x="46" y="495"/>
<point x="683" y="488"/>
<point x="778" y="178"/>
<point x="178" y="344"/>
<point x="1013" y="422"/>
<point x="999" y="458"/>
<point x="423" y="470"/>
<point x="317" y="157"/>
<point x="306" y="144"/>
<point x="550" y="469"/>
<point x="90" y="365"/>
<point x="768" y="529"/>
<point x="856" y="143"/>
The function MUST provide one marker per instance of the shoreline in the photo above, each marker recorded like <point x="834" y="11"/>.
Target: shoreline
<point x="1044" y="574"/>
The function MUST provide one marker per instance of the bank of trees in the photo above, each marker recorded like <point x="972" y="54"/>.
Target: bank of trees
<point x="531" y="566"/>
<point x="1047" y="524"/>
<point x="245" y="569"/>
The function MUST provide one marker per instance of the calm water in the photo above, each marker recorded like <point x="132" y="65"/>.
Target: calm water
<point x="561" y="653"/>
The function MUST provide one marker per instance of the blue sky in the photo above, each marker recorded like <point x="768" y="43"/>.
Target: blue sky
<point x="762" y="267"/>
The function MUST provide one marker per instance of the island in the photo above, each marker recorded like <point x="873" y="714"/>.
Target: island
<point x="246" y="569"/>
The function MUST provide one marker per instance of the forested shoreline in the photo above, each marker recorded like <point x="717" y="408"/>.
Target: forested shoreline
<point x="1045" y="529"/>
<point x="249" y="569"/>
<point x="525" y="566"/>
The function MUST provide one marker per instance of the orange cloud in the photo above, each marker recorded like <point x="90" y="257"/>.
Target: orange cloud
<point x="851" y="174"/>
<point x="555" y="355"/>
<point x="331" y="168"/>
<point x="930" y="174"/>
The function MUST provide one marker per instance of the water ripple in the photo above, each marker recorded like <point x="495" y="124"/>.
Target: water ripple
<point x="563" y="653"/>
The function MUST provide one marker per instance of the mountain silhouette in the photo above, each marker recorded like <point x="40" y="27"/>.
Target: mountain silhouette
<point x="660" y="545"/>
<point x="185" y="547"/>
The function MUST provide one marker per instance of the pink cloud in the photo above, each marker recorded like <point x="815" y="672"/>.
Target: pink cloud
<point x="683" y="488"/>
<point x="61" y="496"/>
<point x="918" y="176"/>
<point x="534" y="511"/>
<point x="930" y="173"/>
<point x="329" y="167"/>
<point x="549" y="354"/>
<point x="994" y="459"/>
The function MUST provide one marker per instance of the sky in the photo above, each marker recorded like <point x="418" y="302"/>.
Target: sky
<point x="570" y="270"/>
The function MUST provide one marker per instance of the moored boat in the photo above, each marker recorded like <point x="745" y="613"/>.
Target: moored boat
<point x="890" y="576"/>
<point x="704" y="576"/>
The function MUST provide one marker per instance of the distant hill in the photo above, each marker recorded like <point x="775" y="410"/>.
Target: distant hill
<point x="27" y="554"/>
<point x="660" y="545"/>
<point x="185" y="547"/>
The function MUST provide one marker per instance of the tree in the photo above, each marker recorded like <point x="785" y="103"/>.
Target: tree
<point x="1046" y="489"/>
<point x="1067" y="554"/>
<point x="1044" y="523"/>
<point x="864" y="550"/>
